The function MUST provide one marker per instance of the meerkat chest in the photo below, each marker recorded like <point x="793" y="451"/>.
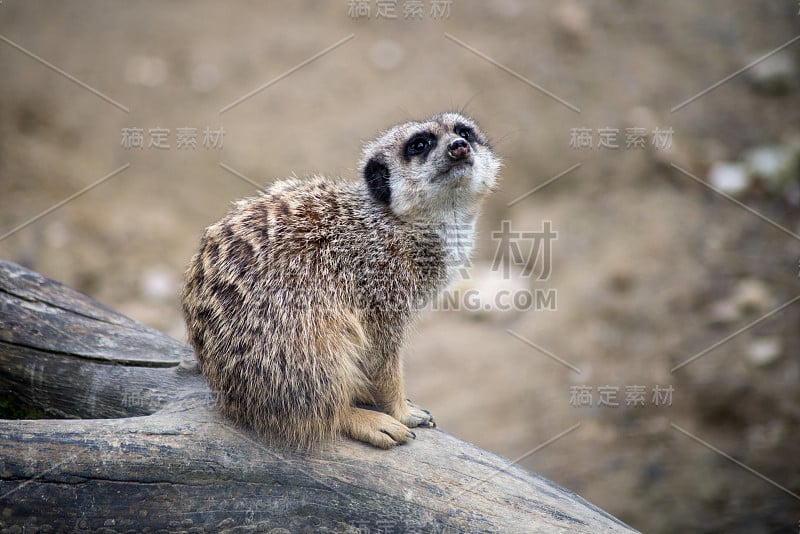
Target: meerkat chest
<point x="457" y="240"/>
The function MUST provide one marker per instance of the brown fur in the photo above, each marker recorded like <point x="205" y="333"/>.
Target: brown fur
<point x="297" y="304"/>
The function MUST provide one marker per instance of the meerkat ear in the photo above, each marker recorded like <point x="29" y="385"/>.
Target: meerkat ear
<point x="377" y="176"/>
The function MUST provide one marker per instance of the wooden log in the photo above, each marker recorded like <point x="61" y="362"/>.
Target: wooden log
<point x="128" y="439"/>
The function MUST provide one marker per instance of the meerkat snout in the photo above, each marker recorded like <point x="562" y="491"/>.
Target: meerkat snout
<point x="300" y="298"/>
<point x="458" y="149"/>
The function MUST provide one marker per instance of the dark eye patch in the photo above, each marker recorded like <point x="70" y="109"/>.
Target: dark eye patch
<point x="419" y="145"/>
<point x="465" y="132"/>
<point x="377" y="176"/>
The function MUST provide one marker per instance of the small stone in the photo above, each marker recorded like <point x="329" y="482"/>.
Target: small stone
<point x="724" y="312"/>
<point x="774" y="75"/>
<point x="753" y="296"/>
<point x="158" y="283"/>
<point x="774" y="166"/>
<point x="729" y="177"/>
<point x="149" y="71"/>
<point x="572" y="21"/>
<point x="386" y="54"/>
<point x="764" y="351"/>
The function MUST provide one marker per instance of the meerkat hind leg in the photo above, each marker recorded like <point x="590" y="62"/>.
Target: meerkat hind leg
<point x="389" y="393"/>
<point x="375" y="428"/>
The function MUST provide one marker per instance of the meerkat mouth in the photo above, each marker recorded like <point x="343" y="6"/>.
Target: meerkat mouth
<point x="456" y="170"/>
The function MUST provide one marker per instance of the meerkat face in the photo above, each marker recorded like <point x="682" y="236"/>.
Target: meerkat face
<point x="431" y="167"/>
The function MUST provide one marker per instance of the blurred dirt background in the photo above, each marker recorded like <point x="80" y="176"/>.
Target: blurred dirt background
<point x="651" y="267"/>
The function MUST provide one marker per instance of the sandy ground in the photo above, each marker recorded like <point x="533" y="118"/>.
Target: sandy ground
<point x="650" y="267"/>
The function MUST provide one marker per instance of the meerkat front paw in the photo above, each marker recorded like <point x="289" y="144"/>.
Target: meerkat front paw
<point x="376" y="428"/>
<point x="414" y="416"/>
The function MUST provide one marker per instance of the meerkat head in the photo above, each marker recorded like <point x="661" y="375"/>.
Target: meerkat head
<point x="431" y="168"/>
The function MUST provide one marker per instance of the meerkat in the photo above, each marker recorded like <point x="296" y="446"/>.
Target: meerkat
<point x="300" y="298"/>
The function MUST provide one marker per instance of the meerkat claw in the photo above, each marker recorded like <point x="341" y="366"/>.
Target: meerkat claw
<point x="428" y="424"/>
<point x="417" y="417"/>
<point x="393" y="442"/>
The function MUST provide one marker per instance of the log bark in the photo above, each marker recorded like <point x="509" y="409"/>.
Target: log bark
<point x="110" y="428"/>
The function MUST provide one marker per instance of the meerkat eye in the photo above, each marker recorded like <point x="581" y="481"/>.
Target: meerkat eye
<point x="420" y="144"/>
<point x="465" y="132"/>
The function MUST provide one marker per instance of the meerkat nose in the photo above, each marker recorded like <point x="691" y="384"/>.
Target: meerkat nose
<point x="458" y="149"/>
